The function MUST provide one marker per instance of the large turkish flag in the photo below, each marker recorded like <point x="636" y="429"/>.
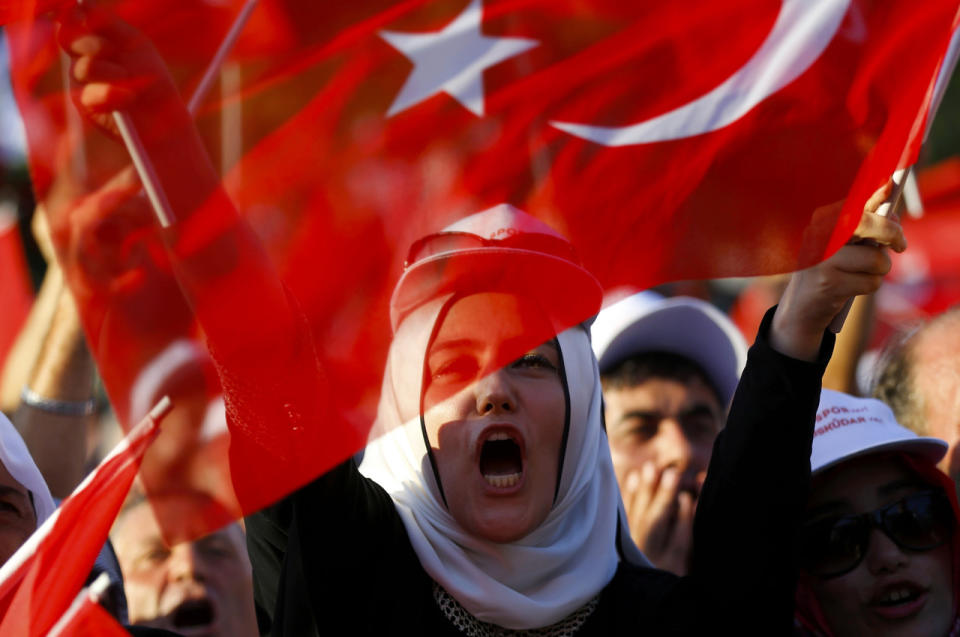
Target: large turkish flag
<point x="673" y="140"/>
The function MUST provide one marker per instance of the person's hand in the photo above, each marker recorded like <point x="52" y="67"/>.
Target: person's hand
<point x="660" y="517"/>
<point x="115" y="68"/>
<point x="816" y="295"/>
<point x="102" y="237"/>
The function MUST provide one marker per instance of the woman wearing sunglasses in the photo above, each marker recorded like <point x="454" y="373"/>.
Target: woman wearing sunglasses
<point x="879" y="546"/>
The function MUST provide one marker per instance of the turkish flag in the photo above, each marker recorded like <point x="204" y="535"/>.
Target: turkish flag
<point x="86" y="617"/>
<point x="89" y="619"/>
<point x="40" y="581"/>
<point x="678" y="140"/>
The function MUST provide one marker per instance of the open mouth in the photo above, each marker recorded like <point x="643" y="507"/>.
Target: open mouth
<point x="899" y="601"/>
<point x="193" y="616"/>
<point x="899" y="595"/>
<point x="501" y="460"/>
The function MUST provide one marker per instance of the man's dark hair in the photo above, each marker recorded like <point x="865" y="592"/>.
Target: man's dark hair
<point x="642" y="367"/>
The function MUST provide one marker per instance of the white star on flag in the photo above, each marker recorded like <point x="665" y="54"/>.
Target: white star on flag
<point x="452" y="60"/>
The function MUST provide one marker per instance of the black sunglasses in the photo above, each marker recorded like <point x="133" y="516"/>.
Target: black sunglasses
<point x="833" y="546"/>
<point x="442" y="242"/>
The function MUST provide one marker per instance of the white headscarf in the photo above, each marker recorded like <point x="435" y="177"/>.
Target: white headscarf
<point x="19" y="462"/>
<point x="563" y="563"/>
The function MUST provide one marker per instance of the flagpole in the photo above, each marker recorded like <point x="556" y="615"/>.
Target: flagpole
<point x="131" y="138"/>
<point x="903" y="178"/>
<point x="225" y="47"/>
<point x="890" y="207"/>
<point x="145" y="170"/>
<point x="87" y="595"/>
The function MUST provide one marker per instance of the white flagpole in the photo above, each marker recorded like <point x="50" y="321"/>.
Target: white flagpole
<point x="131" y="139"/>
<point x="225" y="47"/>
<point x="904" y="182"/>
<point x="93" y="593"/>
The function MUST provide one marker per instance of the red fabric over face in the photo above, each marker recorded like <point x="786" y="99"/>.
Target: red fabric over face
<point x="334" y="178"/>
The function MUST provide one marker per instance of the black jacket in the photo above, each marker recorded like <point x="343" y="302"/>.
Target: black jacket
<point x="334" y="558"/>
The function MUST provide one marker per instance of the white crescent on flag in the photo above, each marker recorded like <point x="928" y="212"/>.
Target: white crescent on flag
<point x="802" y="31"/>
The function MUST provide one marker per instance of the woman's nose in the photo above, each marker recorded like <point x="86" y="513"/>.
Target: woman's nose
<point x="883" y="554"/>
<point x="495" y="394"/>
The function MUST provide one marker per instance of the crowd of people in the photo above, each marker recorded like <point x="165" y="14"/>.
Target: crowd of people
<point x="637" y="472"/>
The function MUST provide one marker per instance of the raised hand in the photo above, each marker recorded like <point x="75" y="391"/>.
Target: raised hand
<point x="816" y="295"/>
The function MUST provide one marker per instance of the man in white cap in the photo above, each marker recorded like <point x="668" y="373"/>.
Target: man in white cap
<point x="669" y="368"/>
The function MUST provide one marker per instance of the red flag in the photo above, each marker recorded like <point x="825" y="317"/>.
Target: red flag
<point x="676" y="140"/>
<point x="40" y="581"/>
<point x="15" y="10"/>
<point x="14" y="281"/>
<point x="86" y="618"/>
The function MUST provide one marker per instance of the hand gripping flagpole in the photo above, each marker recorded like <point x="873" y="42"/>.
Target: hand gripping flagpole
<point x="890" y="207"/>
<point x="131" y="138"/>
<point x="903" y="179"/>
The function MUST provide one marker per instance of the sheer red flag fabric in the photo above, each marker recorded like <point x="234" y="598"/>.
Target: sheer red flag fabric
<point x="39" y="583"/>
<point x="91" y="620"/>
<point x="86" y="617"/>
<point x="668" y="141"/>
<point x="17" y="10"/>
<point x="14" y="282"/>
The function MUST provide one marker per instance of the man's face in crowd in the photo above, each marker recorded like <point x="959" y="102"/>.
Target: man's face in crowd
<point x="17" y="516"/>
<point x="666" y="422"/>
<point x="204" y="587"/>
<point x="935" y="368"/>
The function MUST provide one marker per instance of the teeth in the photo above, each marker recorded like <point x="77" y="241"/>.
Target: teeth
<point x="504" y="481"/>
<point x="499" y="436"/>
<point x="895" y="596"/>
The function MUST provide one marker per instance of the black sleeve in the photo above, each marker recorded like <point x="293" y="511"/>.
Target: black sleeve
<point x="266" y="532"/>
<point x="752" y="504"/>
<point x="334" y="556"/>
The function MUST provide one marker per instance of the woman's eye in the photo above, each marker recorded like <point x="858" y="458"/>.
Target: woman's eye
<point x="533" y="360"/>
<point x="7" y="507"/>
<point x="456" y="369"/>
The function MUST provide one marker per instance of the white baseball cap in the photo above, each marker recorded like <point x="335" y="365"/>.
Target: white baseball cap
<point x="848" y="427"/>
<point x="501" y="248"/>
<point x="689" y="327"/>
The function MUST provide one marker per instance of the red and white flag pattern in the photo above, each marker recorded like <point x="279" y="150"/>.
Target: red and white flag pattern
<point x="40" y="581"/>
<point x="670" y="140"/>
